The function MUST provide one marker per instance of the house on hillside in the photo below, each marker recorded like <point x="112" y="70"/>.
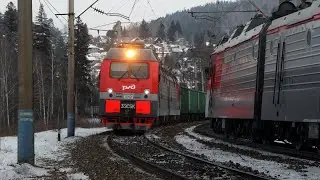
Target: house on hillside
<point x="158" y="40"/>
<point x="136" y="39"/>
<point x="93" y="49"/>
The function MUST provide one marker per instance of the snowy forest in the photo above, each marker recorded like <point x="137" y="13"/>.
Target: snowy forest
<point x="210" y="27"/>
<point x="50" y="64"/>
<point x="50" y="59"/>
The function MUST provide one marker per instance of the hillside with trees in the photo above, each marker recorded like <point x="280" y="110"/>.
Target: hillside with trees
<point x="219" y="23"/>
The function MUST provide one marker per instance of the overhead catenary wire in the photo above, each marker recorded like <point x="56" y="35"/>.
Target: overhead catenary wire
<point x="134" y="4"/>
<point x="86" y="9"/>
<point x="111" y="14"/>
<point x="258" y="9"/>
<point x="107" y="24"/>
<point x="52" y="11"/>
<point x="151" y="8"/>
<point x="123" y="4"/>
<point x="55" y="9"/>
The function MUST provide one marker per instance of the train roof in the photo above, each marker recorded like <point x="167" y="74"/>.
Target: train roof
<point x="245" y="35"/>
<point x="288" y="20"/>
<point x="120" y="54"/>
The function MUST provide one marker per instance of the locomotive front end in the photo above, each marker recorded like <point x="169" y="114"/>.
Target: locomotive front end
<point x="129" y="89"/>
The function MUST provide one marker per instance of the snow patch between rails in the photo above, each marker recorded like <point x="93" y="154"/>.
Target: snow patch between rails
<point x="78" y="176"/>
<point x="152" y="136"/>
<point x="191" y="132"/>
<point x="277" y="170"/>
<point x="46" y="147"/>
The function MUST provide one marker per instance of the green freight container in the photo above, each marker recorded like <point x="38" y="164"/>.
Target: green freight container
<point x="184" y="101"/>
<point x="192" y="102"/>
<point x="193" y="108"/>
<point x="202" y="101"/>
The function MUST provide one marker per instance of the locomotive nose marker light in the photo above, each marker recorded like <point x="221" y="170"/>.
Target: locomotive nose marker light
<point x="147" y="91"/>
<point x="110" y="90"/>
<point x="130" y="53"/>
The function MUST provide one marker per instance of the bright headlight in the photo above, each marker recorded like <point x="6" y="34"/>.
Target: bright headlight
<point x="130" y="53"/>
<point x="110" y="90"/>
<point x="147" y="91"/>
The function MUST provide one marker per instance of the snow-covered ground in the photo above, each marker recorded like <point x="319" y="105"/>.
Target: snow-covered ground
<point x="47" y="148"/>
<point x="277" y="170"/>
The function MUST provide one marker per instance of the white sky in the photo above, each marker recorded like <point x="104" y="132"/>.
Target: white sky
<point x="141" y="10"/>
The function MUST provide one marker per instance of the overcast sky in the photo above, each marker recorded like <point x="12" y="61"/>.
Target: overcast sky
<point x="141" y="11"/>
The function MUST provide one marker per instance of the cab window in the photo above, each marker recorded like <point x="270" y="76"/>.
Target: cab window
<point x="119" y="70"/>
<point x="129" y="70"/>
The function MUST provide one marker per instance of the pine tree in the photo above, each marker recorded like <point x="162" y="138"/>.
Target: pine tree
<point x="10" y="19"/>
<point x="178" y="28"/>
<point x="144" y="31"/>
<point x="124" y="32"/>
<point x="1" y="24"/>
<point x="42" y="66"/>
<point x="118" y="28"/>
<point x="199" y="40"/>
<point x="171" y="31"/>
<point x="9" y="65"/>
<point x="42" y="33"/>
<point x="161" y="31"/>
<point x="82" y="70"/>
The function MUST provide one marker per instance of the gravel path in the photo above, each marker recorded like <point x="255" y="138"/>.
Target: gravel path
<point x="93" y="156"/>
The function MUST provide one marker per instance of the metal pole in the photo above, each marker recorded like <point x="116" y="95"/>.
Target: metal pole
<point x="71" y="64"/>
<point x="52" y="79"/>
<point x="25" y="112"/>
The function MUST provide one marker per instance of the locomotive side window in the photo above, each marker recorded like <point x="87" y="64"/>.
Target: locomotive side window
<point x="139" y="70"/>
<point x="119" y="70"/>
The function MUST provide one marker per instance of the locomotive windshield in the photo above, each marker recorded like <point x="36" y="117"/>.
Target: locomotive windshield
<point x="129" y="70"/>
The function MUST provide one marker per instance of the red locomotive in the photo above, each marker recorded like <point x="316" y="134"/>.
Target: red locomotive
<point x="129" y="79"/>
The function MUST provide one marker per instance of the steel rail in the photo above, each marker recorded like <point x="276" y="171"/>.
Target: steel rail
<point x="150" y="167"/>
<point x="237" y="171"/>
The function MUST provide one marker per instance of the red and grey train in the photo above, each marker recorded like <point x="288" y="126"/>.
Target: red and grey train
<point x="134" y="90"/>
<point x="265" y="78"/>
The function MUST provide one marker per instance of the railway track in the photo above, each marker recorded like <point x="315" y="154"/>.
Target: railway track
<point x="244" y="174"/>
<point x="171" y="164"/>
<point x="150" y="167"/>
<point x="270" y="148"/>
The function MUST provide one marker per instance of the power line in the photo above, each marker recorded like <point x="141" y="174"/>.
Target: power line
<point x="134" y="4"/>
<point x="52" y="11"/>
<point x="121" y="1"/>
<point x="87" y="9"/>
<point x="109" y="24"/>
<point x="151" y="8"/>
<point x="258" y="9"/>
<point x="110" y="14"/>
<point x="55" y="9"/>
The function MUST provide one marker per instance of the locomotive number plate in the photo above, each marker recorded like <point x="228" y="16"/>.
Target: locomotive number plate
<point x="128" y="96"/>
<point x="128" y="106"/>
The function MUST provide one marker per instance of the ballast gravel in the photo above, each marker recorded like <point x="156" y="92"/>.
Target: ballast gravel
<point x="94" y="158"/>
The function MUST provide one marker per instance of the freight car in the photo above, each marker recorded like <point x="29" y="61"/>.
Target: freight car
<point x="192" y="104"/>
<point x="265" y="78"/>
<point x="137" y="93"/>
